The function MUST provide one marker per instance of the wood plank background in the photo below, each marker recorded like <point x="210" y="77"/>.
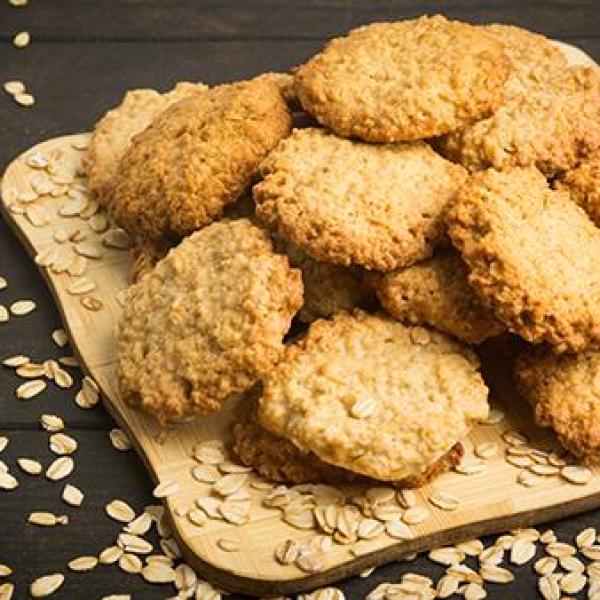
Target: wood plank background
<point x="84" y="55"/>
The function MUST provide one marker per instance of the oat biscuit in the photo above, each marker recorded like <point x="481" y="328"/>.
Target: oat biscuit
<point x="279" y="460"/>
<point x="351" y="203"/>
<point x="113" y="133"/>
<point x="390" y="82"/>
<point x="532" y="256"/>
<point x="436" y="292"/>
<point x="197" y="156"/>
<point x="373" y="396"/>
<point x="583" y="185"/>
<point x="564" y="392"/>
<point x="552" y="126"/>
<point x="206" y="322"/>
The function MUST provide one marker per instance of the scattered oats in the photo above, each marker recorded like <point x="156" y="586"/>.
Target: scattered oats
<point x="90" y="210"/>
<point x="140" y="525"/>
<point x="573" y="583"/>
<point x="528" y="479"/>
<point x="206" y="473"/>
<point x="61" y="444"/>
<point x="89" y="394"/>
<point x="46" y="585"/>
<point x="447" y="586"/>
<point x="366" y="573"/>
<point x="495" y="574"/>
<point x="571" y="563"/>
<point x="62" y="467"/>
<point x="4" y="316"/>
<point x="548" y="537"/>
<point x="406" y="498"/>
<point x="560" y="549"/>
<point x="110" y="555"/>
<point x="371" y="528"/>
<point x="444" y="501"/>
<point x="44" y="519"/>
<point x="519" y="460"/>
<point x="238" y="513"/>
<point x="32" y="370"/>
<point x="593" y="570"/>
<point x="576" y="474"/>
<point x="133" y="543"/>
<point x="62" y="378"/>
<point x="72" y="495"/>
<point x="72" y="207"/>
<point x="170" y="548"/>
<point x="120" y="511"/>
<point x="88" y="250"/>
<point x="471" y="547"/>
<point x="415" y="515"/>
<point x="158" y="573"/>
<point x="470" y="466"/>
<point x="230" y="484"/>
<point x="310" y="562"/>
<point x="83" y="563"/>
<point x="130" y="563"/>
<point x="46" y="257"/>
<point x="18" y="360"/>
<point x="522" y="551"/>
<point x="545" y="470"/>
<point x="83" y="285"/>
<point x="51" y="423"/>
<point x="5" y="570"/>
<point x="591" y="552"/>
<point x="30" y="466"/>
<point x="185" y="577"/>
<point x="98" y="223"/>
<point x="21" y="308"/>
<point x="30" y="389"/>
<point x="399" y="530"/>
<point x="446" y="555"/>
<point x="287" y="551"/>
<point x="7" y="481"/>
<point x="14" y="87"/>
<point x="3" y="442"/>
<point x="119" y="439"/>
<point x="37" y="215"/>
<point x="228" y="545"/>
<point x="77" y="266"/>
<point x="556" y="460"/>
<point x="493" y="555"/>
<point x="61" y="235"/>
<point x="387" y="512"/>
<point x="117" y="238"/>
<point x="165" y="489"/>
<point x="549" y="588"/>
<point x="486" y="450"/>
<point x="545" y="565"/>
<point x="209" y="454"/>
<point x="514" y="438"/>
<point x="21" y="39"/>
<point x="91" y="303"/>
<point x="197" y="517"/>
<point x="68" y="361"/>
<point x="205" y="591"/>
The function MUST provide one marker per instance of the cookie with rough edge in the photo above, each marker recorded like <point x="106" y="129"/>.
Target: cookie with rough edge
<point x="351" y="203"/>
<point x="583" y="185"/>
<point x="197" y="156"/>
<point x="207" y="322"/>
<point x="113" y="133"/>
<point x="553" y="125"/>
<point x="436" y="292"/>
<point x="564" y="392"/>
<point x="408" y="80"/>
<point x="370" y="395"/>
<point x="279" y="460"/>
<point x="532" y="256"/>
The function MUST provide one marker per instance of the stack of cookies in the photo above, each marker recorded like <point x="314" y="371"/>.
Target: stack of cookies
<point x="338" y="276"/>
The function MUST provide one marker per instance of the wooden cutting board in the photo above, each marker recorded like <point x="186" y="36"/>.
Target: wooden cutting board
<point x="490" y="501"/>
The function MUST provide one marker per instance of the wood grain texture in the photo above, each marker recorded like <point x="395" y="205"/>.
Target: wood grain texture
<point x="112" y="20"/>
<point x="490" y="502"/>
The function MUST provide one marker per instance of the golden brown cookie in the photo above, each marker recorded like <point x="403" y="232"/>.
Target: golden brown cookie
<point x="409" y="80"/>
<point x="564" y="392"/>
<point x="532" y="256"/>
<point x="206" y="322"/>
<point x="373" y="396"/>
<point x="553" y="125"/>
<point x="583" y="185"/>
<point x="197" y="156"/>
<point x="436" y="292"/>
<point x="279" y="460"/>
<point x="350" y="203"/>
<point x="113" y="133"/>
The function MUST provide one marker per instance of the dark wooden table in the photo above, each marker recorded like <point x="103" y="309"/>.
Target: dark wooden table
<point x="84" y="55"/>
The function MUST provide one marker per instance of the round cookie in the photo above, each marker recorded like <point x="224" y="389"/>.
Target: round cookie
<point x="350" y="203"/>
<point x="206" y="322"/>
<point x="552" y="126"/>
<point x="409" y="80"/>
<point x="113" y="133"/>
<point x="197" y="156"/>
<point x="564" y="392"/>
<point x="532" y="255"/>
<point x="583" y="185"/>
<point x="436" y="292"/>
<point x="279" y="460"/>
<point x="373" y="396"/>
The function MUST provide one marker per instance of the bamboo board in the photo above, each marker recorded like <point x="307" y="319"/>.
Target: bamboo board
<point x="490" y="502"/>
